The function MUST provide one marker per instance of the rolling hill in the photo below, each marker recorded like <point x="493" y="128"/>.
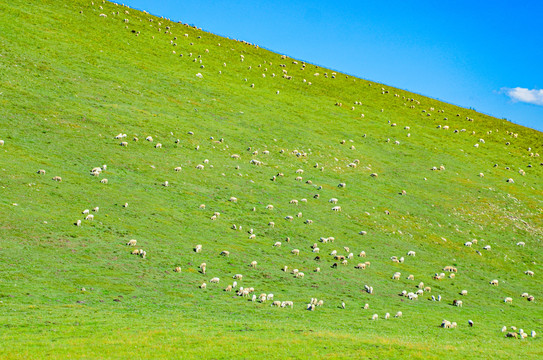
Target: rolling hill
<point x="96" y="85"/>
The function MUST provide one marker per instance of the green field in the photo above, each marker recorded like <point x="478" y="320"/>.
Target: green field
<point x="71" y="80"/>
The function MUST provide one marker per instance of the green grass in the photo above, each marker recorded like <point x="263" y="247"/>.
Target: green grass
<point x="70" y="80"/>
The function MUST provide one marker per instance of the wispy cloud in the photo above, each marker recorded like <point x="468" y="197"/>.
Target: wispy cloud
<point x="519" y="94"/>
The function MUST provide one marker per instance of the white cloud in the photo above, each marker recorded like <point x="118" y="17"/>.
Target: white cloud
<point x="519" y="94"/>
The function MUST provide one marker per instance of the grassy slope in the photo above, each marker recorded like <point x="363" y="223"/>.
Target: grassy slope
<point x="70" y="81"/>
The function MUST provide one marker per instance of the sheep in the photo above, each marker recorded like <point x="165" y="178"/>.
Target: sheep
<point x="420" y="285"/>
<point x="317" y="269"/>
<point x="531" y="298"/>
<point x="200" y="167"/>
<point x="361" y="266"/>
<point x="57" y="178"/>
<point x="237" y="277"/>
<point x="276" y="303"/>
<point x="316" y="250"/>
<point x="508" y="300"/>
<point x="78" y="223"/>
<point x="89" y="217"/>
<point x="41" y="172"/>
<point x="252" y="236"/>
<point x="1" y="142"/>
<point x="457" y="303"/>
<point x="428" y="289"/>
<point x="336" y="208"/>
<point x="487" y="247"/>
<point x="494" y="282"/>
<point x="253" y="264"/>
<point x="411" y="253"/>
<point x="198" y="248"/>
<point x="398" y="314"/>
<point x="375" y="317"/>
<point x="85" y="212"/>
<point x="289" y="217"/>
<point x="132" y="242"/>
<point x="295" y="202"/>
<point x="269" y="207"/>
<point x="468" y="244"/>
<point x="333" y="200"/>
<point x="177" y="269"/>
<point x="287" y="303"/>
<point x="529" y="273"/>
<point x="342" y="185"/>
<point x="520" y="243"/>
<point x="277" y="244"/>
<point x="215" y="280"/>
<point x="412" y="296"/>
<point x="396" y="276"/>
<point x="203" y="286"/>
<point x="233" y="199"/>
<point x="300" y="274"/>
<point x="295" y="252"/>
<point x="463" y="292"/>
<point x="510" y="334"/>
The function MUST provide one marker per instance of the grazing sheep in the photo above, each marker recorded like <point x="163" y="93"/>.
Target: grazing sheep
<point x="233" y="199"/>
<point x="463" y="292"/>
<point x="253" y="264"/>
<point x="457" y="303"/>
<point x="41" y="172"/>
<point x="333" y="200"/>
<point x="277" y="244"/>
<point x="375" y="317"/>
<point x="411" y="253"/>
<point x="336" y="208"/>
<point x="531" y="298"/>
<point x="269" y="207"/>
<point x="237" y="277"/>
<point x="396" y="276"/>
<point x="198" y="248"/>
<point x="132" y="242"/>
<point x="295" y="252"/>
<point x="295" y="202"/>
<point x="511" y="335"/>
<point x="508" y="300"/>
<point x="468" y="244"/>
<point x="529" y="273"/>
<point x="203" y="286"/>
<point x="289" y="218"/>
<point x="342" y="185"/>
<point x="57" y="178"/>
<point x="200" y="167"/>
<point x="398" y="314"/>
<point x="494" y="282"/>
<point x="487" y="247"/>
<point x="215" y="280"/>
<point x="89" y="217"/>
<point x="520" y="243"/>
<point x="78" y="223"/>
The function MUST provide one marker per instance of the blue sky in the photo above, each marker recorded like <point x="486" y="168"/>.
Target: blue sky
<point x="486" y="55"/>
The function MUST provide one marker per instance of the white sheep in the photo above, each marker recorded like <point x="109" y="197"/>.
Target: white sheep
<point x="375" y="317"/>
<point x="198" y="248"/>
<point x="89" y="217"/>
<point x="295" y="252"/>
<point x="215" y="280"/>
<point x="398" y="314"/>
<point x="253" y="264"/>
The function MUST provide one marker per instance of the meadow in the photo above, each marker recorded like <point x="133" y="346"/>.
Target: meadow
<point x="71" y="80"/>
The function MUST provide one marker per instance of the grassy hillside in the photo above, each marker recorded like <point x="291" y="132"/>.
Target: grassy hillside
<point x="72" y="79"/>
